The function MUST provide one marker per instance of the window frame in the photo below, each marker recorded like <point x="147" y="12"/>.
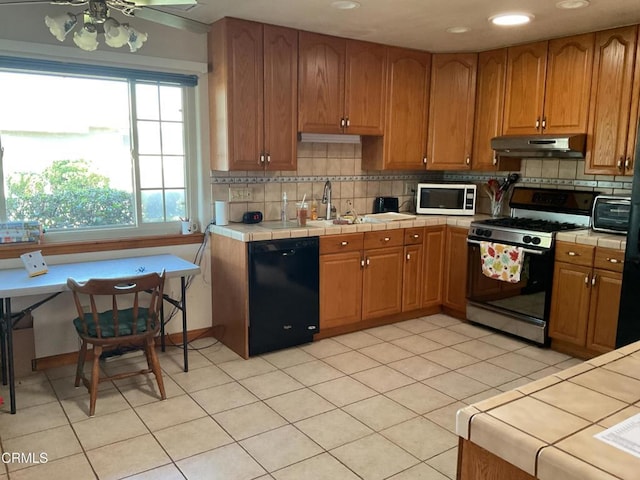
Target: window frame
<point x="189" y="86"/>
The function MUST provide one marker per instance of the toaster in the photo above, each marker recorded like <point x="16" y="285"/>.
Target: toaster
<point x="385" y="204"/>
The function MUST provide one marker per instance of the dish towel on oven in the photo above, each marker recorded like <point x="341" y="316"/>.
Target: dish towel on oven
<point x="502" y="262"/>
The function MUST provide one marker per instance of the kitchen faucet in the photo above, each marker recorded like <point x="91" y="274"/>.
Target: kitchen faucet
<point x="326" y="197"/>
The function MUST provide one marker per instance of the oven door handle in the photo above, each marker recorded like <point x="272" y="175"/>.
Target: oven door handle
<point x="525" y="250"/>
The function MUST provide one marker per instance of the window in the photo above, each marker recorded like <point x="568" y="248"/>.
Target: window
<point x="91" y="152"/>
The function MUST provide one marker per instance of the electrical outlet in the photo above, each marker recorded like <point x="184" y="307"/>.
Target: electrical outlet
<point x="409" y="188"/>
<point x="240" y="194"/>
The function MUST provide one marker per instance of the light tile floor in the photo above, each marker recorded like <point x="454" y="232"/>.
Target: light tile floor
<point x="370" y="405"/>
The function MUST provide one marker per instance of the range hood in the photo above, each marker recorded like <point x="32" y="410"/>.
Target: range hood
<point x="540" y="146"/>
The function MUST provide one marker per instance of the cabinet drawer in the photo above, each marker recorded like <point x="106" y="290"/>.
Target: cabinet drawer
<point x="383" y="238"/>
<point x="413" y="236"/>
<point x="609" y="259"/>
<point x="341" y="243"/>
<point x="574" y="253"/>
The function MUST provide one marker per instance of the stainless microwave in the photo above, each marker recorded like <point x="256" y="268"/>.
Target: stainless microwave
<point x="446" y="199"/>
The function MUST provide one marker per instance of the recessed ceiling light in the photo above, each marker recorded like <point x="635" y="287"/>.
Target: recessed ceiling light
<point x="511" y="19"/>
<point x="460" y="29"/>
<point x="570" y="4"/>
<point x="345" y="5"/>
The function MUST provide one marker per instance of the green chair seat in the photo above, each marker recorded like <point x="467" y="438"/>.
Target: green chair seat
<point x="107" y="327"/>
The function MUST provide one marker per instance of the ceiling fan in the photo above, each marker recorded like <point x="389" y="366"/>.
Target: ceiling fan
<point x="97" y="19"/>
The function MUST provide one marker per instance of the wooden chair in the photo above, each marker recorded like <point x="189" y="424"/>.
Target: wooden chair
<point x="127" y="323"/>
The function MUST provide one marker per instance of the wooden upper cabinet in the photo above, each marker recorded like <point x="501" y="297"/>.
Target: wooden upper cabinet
<point x="342" y="85"/>
<point x="321" y="83"/>
<point x="404" y="145"/>
<point x="492" y="69"/>
<point x="251" y="85"/>
<point x="568" y="84"/>
<point x="524" y="98"/>
<point x="280" y="97"/>
<point x="611" y="129"/>
<point x="365" y="75"/>
<point x="451" y="111"/>
<point x="548" y="86"/>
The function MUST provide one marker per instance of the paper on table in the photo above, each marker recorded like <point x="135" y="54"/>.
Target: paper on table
<point x="624" y="435"/>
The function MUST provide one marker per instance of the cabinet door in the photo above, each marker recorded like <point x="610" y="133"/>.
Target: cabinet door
<point x="455" y="270"/>
<point x="280" y="97"/>
<point x="451" y="107"/>
<point x="404" y="145"/>
<point x="611" y="92"/>
<point x="603" y="311"/>
<point x="412" y="278"/>
<point x="570" y="303"/>
<point x="365" y="71"/>
<point x="321" y="83"/>
<point x="236" y="95"/>
<point x="524" y="98"/>
<point x="433" y="252"/>
<point x="382" y="282"/>
<point x="492" y="67"/>
<point x="340" y="289"/>
<point x="568" y="84"/>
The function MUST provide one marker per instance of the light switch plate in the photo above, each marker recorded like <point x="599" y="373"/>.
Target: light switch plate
<point x="240" y="194"/>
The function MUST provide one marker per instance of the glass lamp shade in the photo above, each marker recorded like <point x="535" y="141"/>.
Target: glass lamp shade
<point x="115" y="35"/>
<point x="136" y="39"/>
<point x="61" y="25"/>
<point x="87" y="38"/>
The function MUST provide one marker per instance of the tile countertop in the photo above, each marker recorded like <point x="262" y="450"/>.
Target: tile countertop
<point x="597" y="239"/>
<point x="547" y="427"/>
<point x="274" y="230"/>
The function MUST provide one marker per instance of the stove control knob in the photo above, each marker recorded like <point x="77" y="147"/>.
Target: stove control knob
<point x="536" y="240"/>
<point x="526" y="239"/>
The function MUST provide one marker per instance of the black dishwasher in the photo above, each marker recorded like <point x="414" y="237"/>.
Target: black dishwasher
<point x="283" y="293"/>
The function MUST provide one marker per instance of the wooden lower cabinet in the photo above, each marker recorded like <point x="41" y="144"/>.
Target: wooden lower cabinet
<point x="382" y="282"/>
<point x="476" y="463"/>
<point x="412" y="278"/>
<point x="340" y="289"/>
<point x="455" y="271"/>
<point x="585" y="299"/>
<point x="433" y="266"/>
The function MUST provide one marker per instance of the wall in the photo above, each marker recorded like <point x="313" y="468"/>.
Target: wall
<point x="341" y="163"/>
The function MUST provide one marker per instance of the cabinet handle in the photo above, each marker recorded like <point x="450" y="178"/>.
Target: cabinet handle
<point x="362" y="263"/>
<point x="261" y="159"/>
<point x="415" y="235"/>
<point x="627" y="163"/>
<point x="573" y="254"/>
<point x="342" y="123"/>
<point x="593" y="280"/>
<point x="368" y="262"/>
<point x="348" y="122"/>
<point x="537" y="123"/>
<point x="619" y="164"/>
<point x="468" y="160"/>
<point x="344" y="244"/>
<point x="544" y="123"/>
<point x="408" y="256"/>
<point x="613" y="260"/>
<point x="586" y="280"/>
<point x="424" y="160"/>
<point x="386" y="239"/>
<point x="268" y="158"/>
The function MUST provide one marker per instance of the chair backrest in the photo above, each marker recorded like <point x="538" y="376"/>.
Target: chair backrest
<point x="122" y="291"/>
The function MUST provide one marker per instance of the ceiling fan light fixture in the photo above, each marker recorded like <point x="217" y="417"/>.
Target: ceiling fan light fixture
<point x="87" y="37"/>
<point x="136" y="39"/>
<point x="511" y="19"/>
<point x="459" y="29"/>
<point x="115" y="35"/>
<point x="61" y="25"/>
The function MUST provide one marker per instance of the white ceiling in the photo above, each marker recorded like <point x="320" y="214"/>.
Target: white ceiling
<point x="421" y="24"/>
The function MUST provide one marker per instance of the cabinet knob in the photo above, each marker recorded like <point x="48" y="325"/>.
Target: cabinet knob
<point x="415" y="235"/>
<point x="537" y="123"/>
<point x="386" y="239"/>
<point x="261" y="159"/>
<point x="344" y="244"/>
<point x="362" y="263"/>
<point x="424" y="160"/>
<point x="347" y="122"/>
<point x="468" y="160"/>
<point x="368" y="261"/>
<point x="613" y="260"/>
<point x="342" y="123"/>
<point x="593" y="280"/>
<point x="619" y="163"/>
<point x="627" y="163"/>
<point x="268" y="158"/>
<point x="573" y="254"/>
<point x="408" y="256"/>
<point x="544" y="123"/>
<point x="586" y="280"/>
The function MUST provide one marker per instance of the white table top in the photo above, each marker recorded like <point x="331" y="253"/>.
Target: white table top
<point x="17" y="283"/>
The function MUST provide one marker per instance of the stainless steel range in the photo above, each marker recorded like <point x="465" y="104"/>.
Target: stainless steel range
<point x="521" y="307"/>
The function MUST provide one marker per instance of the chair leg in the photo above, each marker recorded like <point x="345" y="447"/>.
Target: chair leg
<point x="95" y="379"/>
<point x="155" y="365"/>
<point x="82" y="355"/>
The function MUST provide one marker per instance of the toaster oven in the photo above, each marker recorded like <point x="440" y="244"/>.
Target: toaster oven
<point x="611" y="214"/>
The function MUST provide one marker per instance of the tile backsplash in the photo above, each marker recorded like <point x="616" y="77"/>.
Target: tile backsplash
<point x="354" y="188"/>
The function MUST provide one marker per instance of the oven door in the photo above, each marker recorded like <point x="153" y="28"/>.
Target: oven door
<point x="522" y="308"/>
